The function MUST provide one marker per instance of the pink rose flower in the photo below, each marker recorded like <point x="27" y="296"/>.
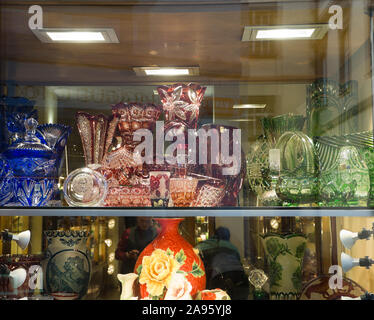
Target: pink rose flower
<point x="179" y="288"/>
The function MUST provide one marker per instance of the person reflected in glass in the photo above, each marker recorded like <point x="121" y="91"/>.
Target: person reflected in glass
<point x="223" y="266"/>
<point x="133" y="241"/>
<point x="5" y="287"/>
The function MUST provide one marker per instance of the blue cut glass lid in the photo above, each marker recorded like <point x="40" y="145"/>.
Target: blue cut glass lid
<point x="30" y="146"/>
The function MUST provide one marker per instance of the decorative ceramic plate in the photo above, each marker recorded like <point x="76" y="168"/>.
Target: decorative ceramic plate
<point x="319" y="289"/>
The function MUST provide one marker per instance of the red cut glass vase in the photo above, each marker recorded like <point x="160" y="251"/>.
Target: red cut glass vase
<point x="132" y="117"/>
<point x="181" y="104"/>
<point x="168" y="267"/>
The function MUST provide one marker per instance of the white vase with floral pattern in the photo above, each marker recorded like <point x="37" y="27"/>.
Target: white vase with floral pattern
<point x="285" y="254"/>
<point x="67" y="264"/>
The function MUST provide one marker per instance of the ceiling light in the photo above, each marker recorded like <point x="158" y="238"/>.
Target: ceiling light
<point x="63" y="35"/>
<point x="285" y="32"/>
<point x="242" y="120"/>
<point x="166" y="71"/>
<point x="249" y="106"/>
<point x="76" y="36"/>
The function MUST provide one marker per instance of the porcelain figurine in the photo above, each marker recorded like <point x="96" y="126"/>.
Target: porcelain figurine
<point x="130" y="286"/>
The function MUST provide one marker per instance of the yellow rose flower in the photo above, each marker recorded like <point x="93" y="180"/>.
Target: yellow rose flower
<point x="157" y="270"/>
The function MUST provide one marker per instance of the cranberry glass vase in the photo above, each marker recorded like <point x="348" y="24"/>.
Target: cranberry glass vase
<point x="168" y="268"/>
<point x="232" y="172"/>
<point x="134" y="116"/>
<point x="94" y="131"/>
<point x="181" y="104"/>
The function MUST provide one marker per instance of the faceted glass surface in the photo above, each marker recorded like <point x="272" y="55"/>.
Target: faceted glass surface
<point x="85" y="188"/>
<point x="257" y="278"/>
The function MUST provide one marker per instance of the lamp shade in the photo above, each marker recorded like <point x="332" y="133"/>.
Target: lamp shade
<point x="17" y="277"/>
<point x="348" y="238"/>
<point x="348" y="262"/>
<point x="22" y="239"/>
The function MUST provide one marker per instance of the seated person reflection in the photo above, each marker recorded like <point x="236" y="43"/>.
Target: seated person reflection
<point x="133" y="241"/>
<point x="222" y="265"/>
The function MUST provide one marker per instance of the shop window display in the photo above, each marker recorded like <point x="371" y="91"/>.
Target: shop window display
<point x="255" y="118"/>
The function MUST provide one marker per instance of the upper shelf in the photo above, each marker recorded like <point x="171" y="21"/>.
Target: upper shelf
<point x="180" y="212"/>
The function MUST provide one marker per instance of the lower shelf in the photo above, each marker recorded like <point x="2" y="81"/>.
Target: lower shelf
<point x="190" y="212"/>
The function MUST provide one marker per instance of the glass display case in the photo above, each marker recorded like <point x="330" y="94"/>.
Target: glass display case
<point x="175" y="150"/>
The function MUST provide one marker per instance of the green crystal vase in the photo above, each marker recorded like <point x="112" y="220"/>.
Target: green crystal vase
<point x="329" y="147"/>
<point x="259" y="176"/>
<point x="298" y="180"/>
<point x="347" y="182"/>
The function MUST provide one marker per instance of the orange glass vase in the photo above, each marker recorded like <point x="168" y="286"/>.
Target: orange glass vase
<point x="168" y="268"/>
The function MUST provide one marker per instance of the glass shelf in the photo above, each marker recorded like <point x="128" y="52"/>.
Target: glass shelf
<point x="191" y="212"/>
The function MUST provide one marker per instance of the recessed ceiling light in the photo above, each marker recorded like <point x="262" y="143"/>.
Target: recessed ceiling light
<point x="166" y="71"/>
<point x="285" y="32"/>
<point x="249" y="106"/>
<point x="76" y="36"/>
<point x="63" y="35"/>
<point x="242" y="120"/>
